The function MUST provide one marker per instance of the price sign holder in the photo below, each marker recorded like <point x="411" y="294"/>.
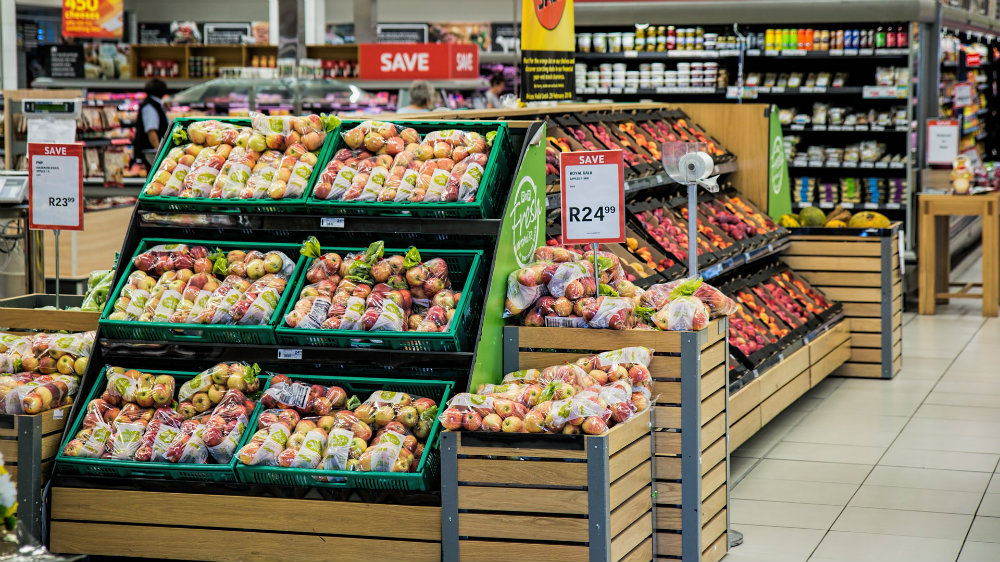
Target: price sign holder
<point x="55" y="190"/>
<point x="593" y="199"/>
<point x="688" y="163"/>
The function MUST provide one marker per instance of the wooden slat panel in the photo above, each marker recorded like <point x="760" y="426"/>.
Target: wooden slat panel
<point x="744" y="400"/>
<point x="714" y="453"/>
<point x="662" y="366"/>
<point x="628" y="458"/>
<point x="859" y="370"/>
<point x="668" y="544"/>
<point x="865" y="340"/>
<point x="537" y="473"/>
<point x="712" y="480"/>
<point x="715" y="502"/>
<point x="523" y="527"/>
<point x="667" y="392"/>
<point x="668" y="468"/>
<point x="499" y="551"/>
<point x="853" y="294"/>
<point x="665" y="366"/>
<point x="667" y="443"/>
<point x="827" y="342"/>
<point x="288" y="515"/>
<point x="802" y="248"/>
<point x="824" y="279"/>
<point x="773" y="405"/>
<point x="626" y="486"/>
<point x="667" y="417"/>
<point x="631" y="537"/>
<point x="866" y="325"/>
<point x="714" y="380"/>
<point x="625" y="434"/>
<point x="521" y="452"/>
<point x="584" y="338"/>
<point x="779" y="375"/>
<point x="718" y="549"/>
<point x="713" y="529"/>
<point x="714" y="429"/>
<point x="744" y="428"/>
<point x="828" y="364"/>
<point x="641" y="553"/>
<point x="866" y="355"/>
<point x="713" y="356"/>
<point x="189" y="544"/>
<point x="625" y="514"/>
<point x="805" y="264"/>
<point x="531" y="500"/>
<point x="862" y="310"/>
<point x="711" y="406"/>
<point x="668" y="518"/>
<point x="668" y="493"/>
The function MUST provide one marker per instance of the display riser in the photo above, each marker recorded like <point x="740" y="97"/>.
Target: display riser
<point x="21" y="313"/>
<point x="205" y="526"/>
<point x="863" y="272"/>
<point x="762" y="399"/>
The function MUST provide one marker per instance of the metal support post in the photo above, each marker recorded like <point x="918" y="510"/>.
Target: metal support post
<point x="690" y="447"/>
<point x="885" y="245"/>
<point x="29" y="477"/>
<point x="449" y="496"/>
<point x="598" y="499"/>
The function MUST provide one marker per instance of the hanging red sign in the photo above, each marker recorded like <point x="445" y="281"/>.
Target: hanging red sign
<point x="55" y="186"/>
<point x="418" y="61"/>
<point x="973" y="60"/>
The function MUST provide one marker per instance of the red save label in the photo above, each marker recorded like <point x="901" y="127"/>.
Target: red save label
<point x="973" y="60"/>
<point x="413" y="61"/>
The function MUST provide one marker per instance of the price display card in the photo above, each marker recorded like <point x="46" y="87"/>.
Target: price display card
<point x="55" y="186"/>
<point x="593" y="197"/>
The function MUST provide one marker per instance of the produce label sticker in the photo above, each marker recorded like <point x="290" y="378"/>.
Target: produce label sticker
<point x="55" y="186"/>
<point x="593" y="197"/>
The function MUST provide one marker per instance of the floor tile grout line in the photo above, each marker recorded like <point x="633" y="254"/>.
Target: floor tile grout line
<point x="975" y="514"/>
<point x="910" y="418"/>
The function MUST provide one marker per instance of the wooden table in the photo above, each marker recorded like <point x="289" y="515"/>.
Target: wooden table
<point x="934" y="256"/>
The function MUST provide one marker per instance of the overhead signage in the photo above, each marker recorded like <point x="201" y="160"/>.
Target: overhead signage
<point x="410" y="61"/>
<point x="547" y="50"/>
<point x="99" y="19"/>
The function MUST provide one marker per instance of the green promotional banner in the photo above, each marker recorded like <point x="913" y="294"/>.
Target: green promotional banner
<point x="523" y="230"/>
<point x="779" y="195"/>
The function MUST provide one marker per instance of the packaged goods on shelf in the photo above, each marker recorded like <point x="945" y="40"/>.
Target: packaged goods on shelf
<point x="42" y="371"/>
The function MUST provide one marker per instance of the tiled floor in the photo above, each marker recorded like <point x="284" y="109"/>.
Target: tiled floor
<point x="883" y="471"/>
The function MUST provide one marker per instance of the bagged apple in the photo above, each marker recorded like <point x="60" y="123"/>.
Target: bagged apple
<point x="163" y="419"/>
<point x="40" y="395"/>
<point x="466" y="411"/>
<point x="188" y="447"/>
<point x="616" y="313"/>
<point x="265" y="445"/>
<point x="527" y="394"/>
<point x="388" y="455"/>
<point x="225" y="427"/>
<point x="89" y="442"/>
<point x="336" y="454"/>
<point x="175" y="164"/>
<point x="261" y="175"/>
<point x="384" y="407"/>
<point x="305" y="446"/>
<point x="126" y="440"/>
<point x="370" y="134"/>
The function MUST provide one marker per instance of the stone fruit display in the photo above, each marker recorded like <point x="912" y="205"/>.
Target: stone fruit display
<point x="588" y="396"/>
<point x="383" y="163"/>
<point x="372" y="292"/>
<point x="41" y="372"/>
<point x="272" y="159"/>
<point x="184" y="284"/>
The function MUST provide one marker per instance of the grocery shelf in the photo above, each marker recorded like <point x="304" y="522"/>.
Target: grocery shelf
<point x="729" y="264"/>
<point x="704" y="90"/>
<point x="656" y="55"/>
<point x="847" y="165"/>
<point x="844" y="128"/>
<point x="97" y="84"/>
<point x="850" y="206"/>
<point x="832" y="53"/>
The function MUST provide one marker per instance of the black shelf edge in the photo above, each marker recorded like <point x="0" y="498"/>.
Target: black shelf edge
<point x="729" y="264"/>
<point x="829" y="54"/>
<point x="678" y="90"/>
<point x="852" y="206"/>
<point x="842" y="129"/>
<point x="817" y="165"/>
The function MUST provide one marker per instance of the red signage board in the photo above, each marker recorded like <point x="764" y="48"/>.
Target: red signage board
<point x="55" y="186"/>
<point x="972" y="60"/>
<point x="593" y="197"/>
<point x="101" y="19"/>
<point x="418" y="61"/>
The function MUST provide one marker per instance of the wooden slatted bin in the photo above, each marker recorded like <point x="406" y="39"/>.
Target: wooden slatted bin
<point x="29" y="445"/>
<point x="217" y="525"/>
<point x="861" y="269"/>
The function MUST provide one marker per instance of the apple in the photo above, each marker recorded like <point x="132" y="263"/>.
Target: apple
<point x="451" y="419"/>
<point x="423" y="404"/>
<point x="219" y="373"/>
<point x="571" y="429"/>
<point x="503" y="407"/>
<point x="534" y="421"/>
<point x="201" y="401"/>
<point x="384" y="415"/>
<point x="305" y="426"/>
<point x="423" y="428"/>
<point x="492" y="422"/>
<point x="513" y="424"/>
<point x="407" y="415"/>
<point x="47" y="365"/>
<point x="161" y="395"/>
<point x="594" y="425"/>
<point x="216" y="392"/>
<point x="364" y="412"/>
<point x="326" y="423"/>
<point x="472" y="421"/>
<point x="30" y="363"/>
<point x="358" y="446"/>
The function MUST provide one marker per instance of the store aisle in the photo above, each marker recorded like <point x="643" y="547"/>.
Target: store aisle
<point x="871" y="470"/>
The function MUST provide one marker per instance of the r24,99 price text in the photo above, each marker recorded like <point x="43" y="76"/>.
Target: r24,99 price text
<point x="588" y="214"/>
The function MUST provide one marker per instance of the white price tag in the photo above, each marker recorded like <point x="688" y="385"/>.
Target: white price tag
<point x="331" y="222"/>
<point x="55" y="186"/>
<point x="593" y="197"/>
<point x="289" y="353"/>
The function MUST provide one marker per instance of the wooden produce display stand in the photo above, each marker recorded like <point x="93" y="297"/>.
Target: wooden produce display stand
<point x="221" y="526"/>
<point x="861" y="269"/>
<point x="757" y="402"/>
<point x="29" y="445"/>
<point x="21" y="313"/>
<point x="687" y="475"/>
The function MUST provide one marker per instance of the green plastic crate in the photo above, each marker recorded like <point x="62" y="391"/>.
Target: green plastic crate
<point x="497" y="175"/>
<point x="426" y="476"/>
<point x="135" y="469"/>
<point x="466" y="271"/>
<point x="207" y="204"/>
<point x="217" y="333"/>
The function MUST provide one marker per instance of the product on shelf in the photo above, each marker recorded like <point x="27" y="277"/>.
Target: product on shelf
<point x="42" y="371"/>
<point x="588" y="396"/>
<point x="371" y="292"/>
<point x="183" y="284"/>
<point x="383" y="163"/>
<point x="98" y="287"/>
<point x="272" y="159"/>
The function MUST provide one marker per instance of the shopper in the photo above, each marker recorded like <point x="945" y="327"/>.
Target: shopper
<point x="151" y="123"/>
<point x="498" y="82"/>
<point x="422" y="96"/>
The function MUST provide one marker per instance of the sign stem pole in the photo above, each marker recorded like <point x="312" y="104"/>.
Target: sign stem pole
<point x="692" y="230"/>
<point x="56" y="233"/>
<point x="597" y="278"/>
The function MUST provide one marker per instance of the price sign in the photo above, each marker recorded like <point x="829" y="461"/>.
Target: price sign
<point x="55" y="186"/>
<point x="964" y="92"/>
<point x="942" y="141"/>
<point x="593" y="197"/>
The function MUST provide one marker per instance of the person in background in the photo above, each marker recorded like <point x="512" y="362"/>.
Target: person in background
<point x="497" y="84"/>
<point x="151" y="122"/>
<point x="421" y="98"/>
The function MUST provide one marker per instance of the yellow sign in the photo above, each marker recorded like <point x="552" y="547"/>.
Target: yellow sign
<point x="547" y="25"/>
<point x="92" y="18"/>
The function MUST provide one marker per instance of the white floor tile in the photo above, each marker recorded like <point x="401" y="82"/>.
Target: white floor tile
<point x="934" y="479"/>
<point x="906" y="523"/>
<point x="774" y="544"/>
<point x="962" y="399"/>
<point x="822" y="452"/>
<point x="739" y="466"/>
<point x="840" y="473"/>
<point x="990" y="506"/>
<point x="839" y="546"/>
<point x="911" y="438"/>
<point x="796" y="491"/>
<point x="916" y="499"/>
<point x="782" y="514"/>
<point x="953" y="427"/>
<point x="941" y="411"/>
<point x="980" y="552"/>
<point x="985" y="529"/>
<point x="946" y="460"/>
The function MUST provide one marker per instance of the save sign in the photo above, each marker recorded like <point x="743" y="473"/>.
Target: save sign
<point x="55" y="186"/>
<point x="411" y="61"/>
<point x="593" y="197"/>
